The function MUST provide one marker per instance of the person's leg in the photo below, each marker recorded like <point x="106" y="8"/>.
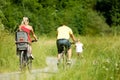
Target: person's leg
<point x="81" y="55"/>
<point x="59" y="54"/>
<point x="59" y="48"/>
<point x="78" y="54"/>
<point x="69" y="56"/>
<point x="69" y="53"/>
<point x="30" y="51"/>
<point x="58" y="57"/>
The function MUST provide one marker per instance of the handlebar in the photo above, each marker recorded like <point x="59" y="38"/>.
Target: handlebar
<point x="72" y="42"/>
<point x="34" y="40"/>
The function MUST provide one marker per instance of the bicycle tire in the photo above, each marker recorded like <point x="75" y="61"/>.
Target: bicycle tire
<point x="64" y="60"/>
<point x="21" y="57"/>
<point x="23" y="61"/>
<point x="29" y="64"/>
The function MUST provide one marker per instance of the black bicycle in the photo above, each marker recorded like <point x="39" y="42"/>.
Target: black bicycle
<point x="22" y="44"/>
<point x="64" y="64"/>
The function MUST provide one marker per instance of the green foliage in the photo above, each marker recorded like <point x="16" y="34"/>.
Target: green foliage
<point x="111" y="11"/>
<point x="7" y="55"/>
<point x="46" y="15"/>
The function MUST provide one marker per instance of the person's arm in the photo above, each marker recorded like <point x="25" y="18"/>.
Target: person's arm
<point x="33" y="34"/>
<point x="20" y="28"/>
<point x="56" y="33"/>
<point x="73" y="37"/>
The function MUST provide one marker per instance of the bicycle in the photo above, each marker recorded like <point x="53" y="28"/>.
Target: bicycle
<point x="63" y="64"/>
<point x="22" y="51"/>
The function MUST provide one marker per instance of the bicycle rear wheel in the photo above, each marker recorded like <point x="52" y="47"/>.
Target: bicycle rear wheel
<point x="66" y="64"/>
<point x="29" y="64"/>
<point x="23" y="60"/>
<point x="64" y="61"/>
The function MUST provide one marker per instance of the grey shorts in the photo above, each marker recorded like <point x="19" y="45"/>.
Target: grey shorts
<point x="61" y="43"/>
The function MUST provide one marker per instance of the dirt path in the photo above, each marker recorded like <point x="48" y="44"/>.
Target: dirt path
<point x="37" y="74"/>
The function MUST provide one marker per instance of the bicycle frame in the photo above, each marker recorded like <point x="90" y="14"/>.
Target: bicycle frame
<point x="25" y="60"/>
<point x="63" y="60"/>
<point x="64" y="57"/>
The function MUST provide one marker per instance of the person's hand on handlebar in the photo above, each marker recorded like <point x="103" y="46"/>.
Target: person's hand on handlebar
<point x="35" y="40"/>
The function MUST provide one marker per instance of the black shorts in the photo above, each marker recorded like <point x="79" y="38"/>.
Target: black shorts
<point x="61" y="43"/>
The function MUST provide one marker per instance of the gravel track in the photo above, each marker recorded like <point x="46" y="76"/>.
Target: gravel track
<point x="37" y="74"/>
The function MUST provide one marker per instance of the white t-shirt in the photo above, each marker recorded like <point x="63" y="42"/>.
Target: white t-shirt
<point x="79" y="47"/>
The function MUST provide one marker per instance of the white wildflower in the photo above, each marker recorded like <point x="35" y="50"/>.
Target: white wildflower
<point x="108" y="61"/>
<point x="106" y="69"/>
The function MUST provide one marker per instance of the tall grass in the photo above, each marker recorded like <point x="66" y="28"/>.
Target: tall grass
<point x="41" y="49"/>
<point x="8" y="60"/>
<point x="101" y="59"/>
